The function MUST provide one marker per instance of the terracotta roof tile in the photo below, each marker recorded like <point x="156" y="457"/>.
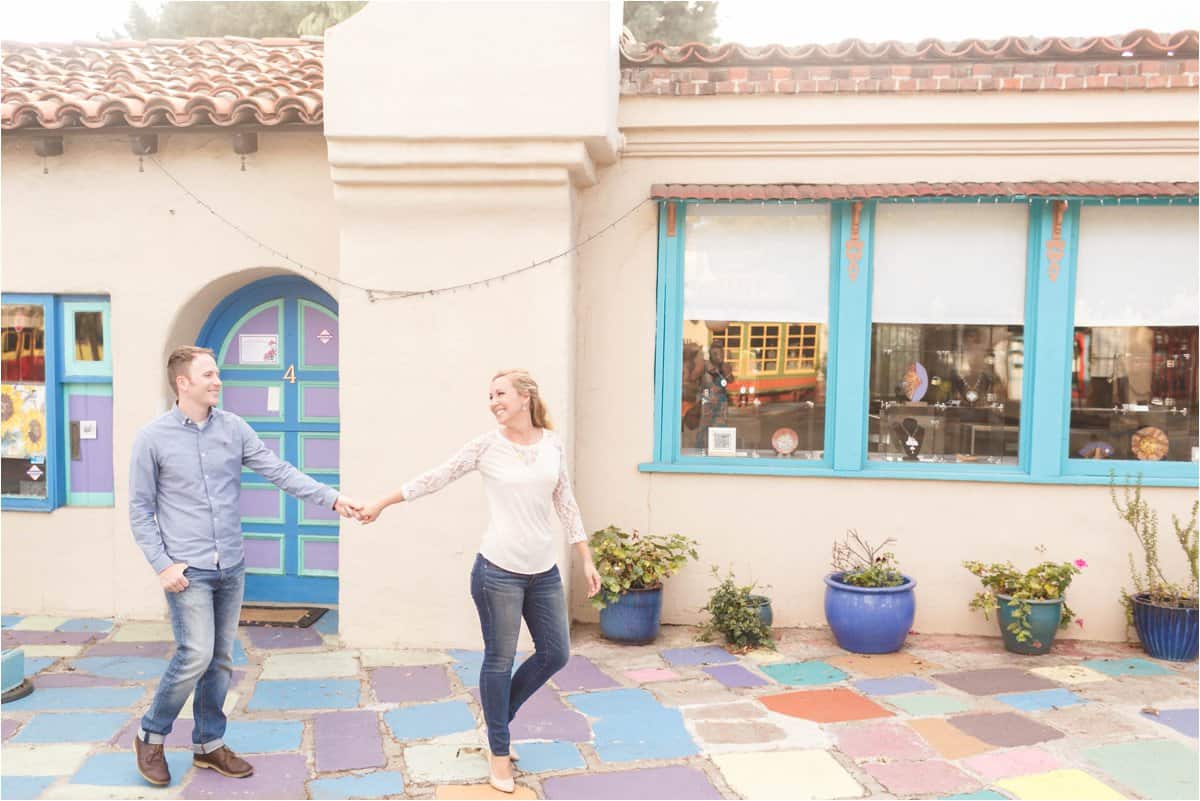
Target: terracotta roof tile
<point x="162" y="82"/>
<point x="954" y="189"/>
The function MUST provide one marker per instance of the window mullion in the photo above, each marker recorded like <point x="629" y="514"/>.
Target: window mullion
<point x="850" y="334"/>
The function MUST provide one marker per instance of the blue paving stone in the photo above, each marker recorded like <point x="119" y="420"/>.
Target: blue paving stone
<point x="118" y="769"/>
<point x="130" y="668"/>
<point x="803" y="673"/>
<point x="77" y="698"/>
<point x="982" y="795"/>
<point x="370" y="785"/>
<point x="1041" y="700"/>
<point x="467" y="663"/>
<point x="24" y="786"/>
<point x="239" y="653"/>
<point x="264" y="736"/>
<point x="1184" y="721"/>
<point x="8" y="621"/>
<point x="328" y="624"/>
<point x="557" y="755"/>
<point x="633" y="725"/>
<point x="37" y="664"/>
<point x="893" y="686"/>
<point x="305" y="694"/>
<point x="423" y="721"/>
<point x="86" y="624"/>
<point x="71" y="727"/>
<point x="702" y="655"/>
<point x="1126" y="667"/>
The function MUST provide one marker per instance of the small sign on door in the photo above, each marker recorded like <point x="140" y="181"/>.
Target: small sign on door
<point x="87" y="429"/>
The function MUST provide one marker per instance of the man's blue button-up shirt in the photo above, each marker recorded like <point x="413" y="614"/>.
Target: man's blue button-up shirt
<point x="185" y="482"/>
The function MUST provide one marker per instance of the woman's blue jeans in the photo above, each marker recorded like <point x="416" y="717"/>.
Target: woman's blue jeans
<point x="205" y="621"/>
<point x="502" y="599"/>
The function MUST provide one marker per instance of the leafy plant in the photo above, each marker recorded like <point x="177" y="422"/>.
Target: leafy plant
<point x="1150" y="581"/>
<point x="861" y="564"/>
<point x="1047" y="581"/>
<point x="733" y="612"/>
<point x="635" y="562"/>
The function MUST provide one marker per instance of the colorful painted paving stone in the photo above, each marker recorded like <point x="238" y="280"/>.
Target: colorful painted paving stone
<point x="552" y="756"/>
<point x="262" y="736"/>
<point x="348" y="741"/>
<point x="8" y="621"/>
<point x="37" y="637"/>
<point x="273" y="638"/>
<point x="1041" y="700"/>
<point x="467" y="665"/>
<point x="37" y="665"/>
<point x="992" y="681"/>
<point x="882" y="741"/>
<point x="893" y="686"/>
<point x="735" y="676"/>
<point x="151" y="650"/>
<point x="978" y="795"/>
<point x="1004" y="729"/>
<point x="694" y="657"/>
<point x="239" y="653"/>
<point x="39" y="623"/>
<point x="1069" y="674"/>
<point x="119" y="769"/>
<point x="127" y="668"/>
<point x="824" y="706"/>
<point x="632" y="725"/>
<point x="1065" y="783"/>
<point x="545" y="717"/>
<point x="180" y="735"/>
<point x="93" y="624"/>
<point x="803" y="673"/>
<point x="408" y="684"/>
<point x="950" y="742"/>
<point x="144" y="631"/>
<point x="367" y="785"/>
<point x="1125" y="667"/>
<point x="24" y="786"/>
<point x="1012" y="762"/>
<point x="423" y="721"/>
<point x="310" y="665"/>
<point x="647" y="675"/>
<point x="673" y="782"/>
<point x="8" y="727"/>
<point x="1152" y="768"/>
<point x="275" y="776"/>
<point x="738" y="732"/>
<point x="808" y="773"/>
<point x="581" y="673"/>
<point x="44" y="759"/>
<point x="925" y="704"/>
<point x="438" y="763"/>
<point x="71" y="727"/>
<point x="473" y="792"/>
<point x="920" y="778"/>
<point x="77" y="698"/>
<point x="327" y="623"/>
<point x="305" y="694"/>
<point x="1184" y="721"/>
<point x="47" y="680"/>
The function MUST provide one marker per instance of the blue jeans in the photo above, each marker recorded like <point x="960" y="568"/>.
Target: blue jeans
<point x="205" y="620"/>
<point x="502" y="598"/>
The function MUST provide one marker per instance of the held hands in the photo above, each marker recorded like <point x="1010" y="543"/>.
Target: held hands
<point x="172" y="579"/>
<point x="371" y="512"/>
<point x="348" y="507"/>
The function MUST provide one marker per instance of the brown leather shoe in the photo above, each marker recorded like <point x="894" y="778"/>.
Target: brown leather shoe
<point x="151" y="763"/>
<point x="225" y="762"/>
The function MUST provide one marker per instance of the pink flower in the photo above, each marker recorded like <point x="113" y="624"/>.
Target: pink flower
<point x="1079" y="622"/>
<point x="1080" y="563"/>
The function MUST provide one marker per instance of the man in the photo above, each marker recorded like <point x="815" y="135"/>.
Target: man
<point x="185" y="480"/>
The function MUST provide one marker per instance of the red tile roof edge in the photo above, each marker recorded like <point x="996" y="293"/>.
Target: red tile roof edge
<point x="915" y="190"/>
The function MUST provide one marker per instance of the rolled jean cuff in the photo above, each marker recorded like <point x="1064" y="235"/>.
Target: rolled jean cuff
<point x="150" y="738"/>
<point x="209" y="747"/>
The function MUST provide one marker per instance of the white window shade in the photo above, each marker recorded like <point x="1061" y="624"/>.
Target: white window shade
<point x="950" y="264"/>
<point x="1137" y="266"/>
<point x="753" y="263"/>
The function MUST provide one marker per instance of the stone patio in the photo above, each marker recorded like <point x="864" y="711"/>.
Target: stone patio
<point x="949" y="717"/>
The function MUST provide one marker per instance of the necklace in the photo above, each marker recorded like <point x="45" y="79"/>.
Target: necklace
<point x="911" y="441"/>
<point x="972" y="393"/>
<point x="526" y="453"/>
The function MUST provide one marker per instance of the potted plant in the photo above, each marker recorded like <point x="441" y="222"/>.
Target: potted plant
<point x="1163" y="612"/>
<point x="1030" y="606"/>
<point x="869" y="603"/>
<point x="632" y="568"/>
<point x="738" y="614"/>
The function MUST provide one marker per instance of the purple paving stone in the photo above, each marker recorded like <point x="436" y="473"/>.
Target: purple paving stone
<point x="735" y="676"/>
<point x="180" y="736"/>
<point x="993" y="681"/>
<point x="1004" y="729"/>
<point x="348" y="741"/>
<point x="410" y="683"/>
<point x="545" y="717"/>
<point x="667" y="783"/>
<point x="9" y="728"/>
<point x="152" y="650"/>
<point x="43" y="680"/>
<point x="275" y="776"/>
<point x="50" y="637"/>
<point x="893" y="686"/>
<point x="271" y="637"/>
<point x="1184" y="721"/>
<point x="702" y="655"/>
<point x="581" y="674"/>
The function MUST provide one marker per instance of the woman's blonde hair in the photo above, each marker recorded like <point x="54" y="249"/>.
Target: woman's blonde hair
<point x="524" y="384"/>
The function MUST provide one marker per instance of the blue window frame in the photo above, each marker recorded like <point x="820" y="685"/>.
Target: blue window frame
<point x="1043" y="455"/>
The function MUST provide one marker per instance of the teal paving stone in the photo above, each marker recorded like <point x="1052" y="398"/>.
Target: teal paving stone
<point x="893" y="686"/>
<point x="928" y="704"/>
<point x="71" y="727"/>
<point x="264" y="736"/>
<point x="632" y="725"/>
<point x="981" y="795"/>
<point x="77" y="698"/>
<point x="368" y="785"/>
<point x="701" y="655"/>
<point x="87" y="624"/>
<point x="305" y="694"/>
<point x="542" y="757"/>
<point x="16" y="787"/>
<point x="119" y="769"/>
<point x="38" y="664"/>
<point x="1126" y="667"/>
<point x="423" y="721"/>
<point x="128" y="668"/>
<point x="803" y="673"/>
<point x="328" y="623"/>
<point x="1041" y="700"/>
<point x="1152" y="768"/>
<point x="8" y="621"/>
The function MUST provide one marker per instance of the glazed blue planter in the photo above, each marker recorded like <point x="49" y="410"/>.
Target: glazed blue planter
<point x="1166" y="632"/>
<point x="1044" y="619"/>
<point x="762" y="605"/>
<point x="633" y="618"/>
<point x="869" y="620"/>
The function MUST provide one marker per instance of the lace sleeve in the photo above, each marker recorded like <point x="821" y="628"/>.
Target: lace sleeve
<point x="463" y="462"/>
<point x="564" y="500"/>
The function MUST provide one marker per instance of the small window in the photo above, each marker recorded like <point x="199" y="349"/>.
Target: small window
<point x="89" y="336"/>
<point x="23" y="425"/>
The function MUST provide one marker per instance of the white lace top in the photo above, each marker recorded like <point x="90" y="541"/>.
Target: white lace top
<point x="522" y="483"/>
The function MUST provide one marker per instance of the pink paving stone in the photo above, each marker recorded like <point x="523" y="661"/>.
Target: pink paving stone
<point x="415" y="683"/>
<point x="545" y="717"/>
<point x="275" y="776"/>
<point x="154" y="650"/>
<point x="1016" y="762"/>
<point x="9" y="727"/>
<point x="49" y="637"/>
<point x="44" y="680"/>
<point x="273" y="637"/>
<point x="180" y="736"/>
<point x="581" y="674"/>
<point x="348" y="741"/>
<point x="652" y="674"/>
<point x="920" y="778"/>
<point x="889" y="740"/>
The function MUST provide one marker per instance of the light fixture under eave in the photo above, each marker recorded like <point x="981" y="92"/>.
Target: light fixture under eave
<point x="245" y="142"/>
<point x="143" y="145"/>
<point x="47" y="146"/>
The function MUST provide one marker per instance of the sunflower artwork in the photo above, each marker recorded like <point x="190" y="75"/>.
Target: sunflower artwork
<point x="22" y="421"/>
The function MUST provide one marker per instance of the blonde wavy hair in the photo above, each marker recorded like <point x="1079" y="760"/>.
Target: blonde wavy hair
<point x="524" y="384"/>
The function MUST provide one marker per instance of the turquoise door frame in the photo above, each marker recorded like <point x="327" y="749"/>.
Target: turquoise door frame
<point x="276" y="342"/>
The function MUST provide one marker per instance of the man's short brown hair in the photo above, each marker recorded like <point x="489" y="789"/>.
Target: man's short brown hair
<point x="181" y="358"/>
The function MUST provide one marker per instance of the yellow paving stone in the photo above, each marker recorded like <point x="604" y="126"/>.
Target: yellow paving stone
<point x="787" y="774"/>
<point x="765" y="656"/>
<point x="882" y="666"/>
<point x="144" y="632"/>
<point x="1067" y="784"/>
<point x="56" y="651"/>
<point x="1070" y="674"/>
<point x="230" y="702"/>
<point x="486" y="791"/>
<point x="90" y="791"/>
<point x="946" y="739"/>
<point x="44" y="759"/>
<point x="40" y="623"/>
<point x="436" y="763"/>
<point x="310" y="666"/>
<point x="394" y="657"/>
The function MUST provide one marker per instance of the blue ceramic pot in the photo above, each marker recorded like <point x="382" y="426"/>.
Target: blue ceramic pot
<point x="869" y="620"/>
<point x="1166" y="632"/>
<point x="762" y="605"/>
<point x="1044" y="618"/>
<point x="633" y="618"/>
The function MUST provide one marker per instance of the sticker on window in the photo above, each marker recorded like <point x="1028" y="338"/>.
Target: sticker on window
<point x="258" y="349"/>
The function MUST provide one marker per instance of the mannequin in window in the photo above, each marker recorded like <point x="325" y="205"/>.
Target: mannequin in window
<point x="714" y="393"/>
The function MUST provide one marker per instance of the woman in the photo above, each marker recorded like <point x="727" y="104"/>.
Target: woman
<point x="525" y="479"/>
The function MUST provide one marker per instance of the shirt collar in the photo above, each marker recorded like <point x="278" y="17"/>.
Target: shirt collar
<point x="182" y="418"/>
